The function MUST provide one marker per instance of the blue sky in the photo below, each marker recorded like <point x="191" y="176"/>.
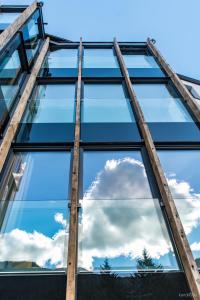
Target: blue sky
<point x="173" y="23"/>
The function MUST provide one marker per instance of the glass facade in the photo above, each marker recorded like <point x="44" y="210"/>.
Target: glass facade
<point x="34" y="217"/>
<point x="165" y="113"/>
<point x="106" y="109"/>
<point x="49" y="116"/>
<point x="61" y="63"/>
<point x="182" y="171"/>
<point x="94" y="186"/>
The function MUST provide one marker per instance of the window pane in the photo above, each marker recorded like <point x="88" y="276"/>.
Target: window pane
<point x="34" y="213"/>
<point x="31" y="36"/>
<point x="106" y="103"/>
<point x="7" y="18"/>
<point x="99" y="58"/>
<point x="182" y="169"/>
<point x="117" y="209"/>
<point x="139" y="61"/>
<point x="100" y="63"/>
<point x="64" y="58"/>
<point x="165" y="113"/>
<point x="159" y="103"/>
<point x="10" y="78"/>
<point x="41" y="176"/>
<point x="107" y="115"/>
<point x="61" y="63"/>
<point x="50" y="114"/>
<point x="141" y="65"/>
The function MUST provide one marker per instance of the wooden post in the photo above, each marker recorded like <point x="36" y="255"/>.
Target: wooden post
<point x="73" y="229"/>
<point x="182" y="244"/>
<point x="14" y="123"/>
<point x="10" y="31"/>
<point x="176" y="81"/>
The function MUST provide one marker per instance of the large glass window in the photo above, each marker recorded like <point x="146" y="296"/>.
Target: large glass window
<point x="107" y="114"/>
<point x="100" y="63"/>
<point x="7" y="18"/>
<point x="31" y="35"/>
<point x="34" y="217"/>
<point x="165" y="113"/>
<point x="142" y="65"/>
<point x="117" y="209"/>
<point x="61" y="63"/>
<point x="50" y="114"/>
<point x="182" y="169"/>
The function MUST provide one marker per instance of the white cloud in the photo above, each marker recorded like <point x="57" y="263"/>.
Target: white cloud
<point x="19" y="245"/>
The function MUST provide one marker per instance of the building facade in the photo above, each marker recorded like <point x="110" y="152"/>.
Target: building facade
<point x="100" y="164"/>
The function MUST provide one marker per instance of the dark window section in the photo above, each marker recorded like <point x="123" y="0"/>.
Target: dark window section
<point x="50" y="115"/>
<point x="100" y="62"/>
<point x="166" y="114"/>
<point x="142" y="285"/>
<point x="33" y="213"/>
<point x="106" y="114"/>
<point x="60" y="63"/>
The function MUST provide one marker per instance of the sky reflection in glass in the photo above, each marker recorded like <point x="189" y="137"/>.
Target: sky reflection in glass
<point x="182" y="169"/>
<point x="106" y="103"/>
<point x="99" y="58"/>
<point x="120" y="221"/>
<point x="34" y="229"/>
<point x="160" y="103"/>
<point x="52" y="104"/>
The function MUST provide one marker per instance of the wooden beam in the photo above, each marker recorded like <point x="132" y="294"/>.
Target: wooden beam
<point x="181" y="241"/>
<point x="73" y="229"/>
<point x="176" y="81"/>
<point x="14" y="123"/>
<point x="10" y="31"/>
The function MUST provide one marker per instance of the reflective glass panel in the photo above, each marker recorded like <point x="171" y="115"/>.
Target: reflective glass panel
<point x="107" y="115"/>
<point x="7" y="18"/>
<point x="63" y="58"/>
<point x="31" y="36"/>
<point x="167" y="117"/>
<point x="100" y="63"/>
<point x="99" y="58"/>
<point x="10" y="76"/>
<point x="49" y="116"/>
<point x="117" y="209"/>
<point x="33" y="212"/>
<point x="139" y="61"/>
<point x="61" y="63"/>
<point x="106" y="103"/>
<point x="182" y="169"/>
<point x="160" y="103"/>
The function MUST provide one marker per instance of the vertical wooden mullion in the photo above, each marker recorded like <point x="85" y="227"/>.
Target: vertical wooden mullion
<point x="189" y="264"/>
<point x="73" y="228"/>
